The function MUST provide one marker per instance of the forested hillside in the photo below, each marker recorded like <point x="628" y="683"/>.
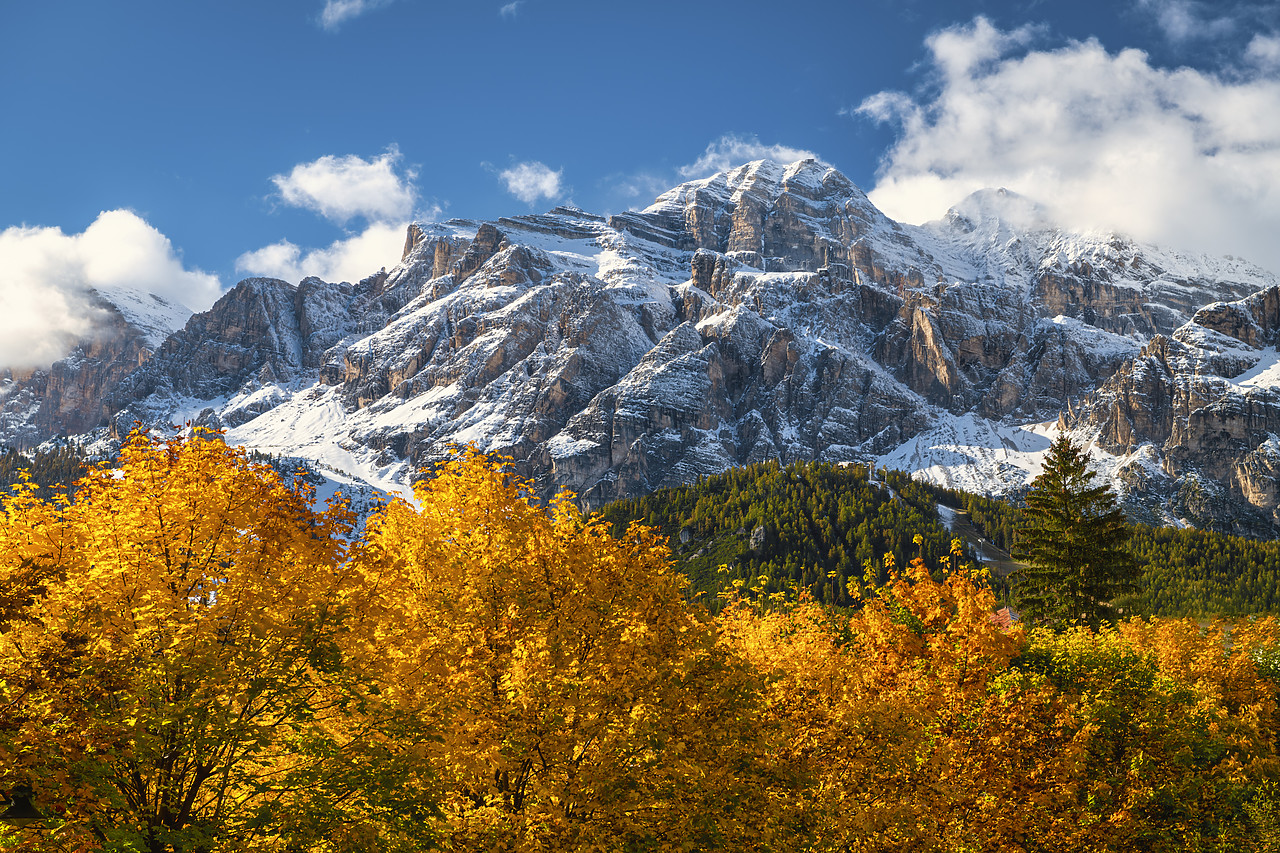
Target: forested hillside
<point x="1185" y="572"/>
<point x="800" y="523"/>
<point x="55" y="470"/>
<point x="818" y="526"/>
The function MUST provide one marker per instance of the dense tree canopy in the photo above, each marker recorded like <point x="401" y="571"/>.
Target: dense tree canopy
<point x="579" y="704"/>
<point x="193" y="661"/>
<point x="1184" y="571"/>
<point x="173" y="672"/>
<point x="819" y="526"/>
<point x="193" y="658"/>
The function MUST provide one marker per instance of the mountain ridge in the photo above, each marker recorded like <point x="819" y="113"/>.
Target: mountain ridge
<point x="767" y="312"/>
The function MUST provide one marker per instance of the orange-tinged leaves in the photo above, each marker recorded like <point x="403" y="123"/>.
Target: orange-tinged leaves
<point x="183" y="659"/>
<point x="578" y="701"/>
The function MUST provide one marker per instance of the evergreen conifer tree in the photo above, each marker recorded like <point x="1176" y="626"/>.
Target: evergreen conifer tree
<point x="1073" y="543"/>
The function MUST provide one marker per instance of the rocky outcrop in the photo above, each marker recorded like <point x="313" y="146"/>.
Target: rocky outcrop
<point x="769" y="312"/>
<point x="482" y="248"/>
<point x="252" y="332"/>
<point x="1201" y="404"/>
<point x="1254" y="321"/>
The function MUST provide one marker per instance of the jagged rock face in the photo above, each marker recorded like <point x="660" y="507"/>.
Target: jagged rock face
<point x="76" y="386"/>
<point x="252" y="333"/>
<point x="775" y="218"/>
<point x="73" y="395"/>
<point x="950" y="329"/>
<point x="1204" y="401"/>
<point x="770" y="312"/>
<point x="731" y="390"/>
<point x="1035" y="317"/>
<point x="1255" y="321"/>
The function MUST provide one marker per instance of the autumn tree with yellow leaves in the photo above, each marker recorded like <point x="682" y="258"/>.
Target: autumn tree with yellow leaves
<point x="914" y="723"/>
<point x="576" y="701"/>
<point x="195" y="658"/>
<point x="174" y="664"/>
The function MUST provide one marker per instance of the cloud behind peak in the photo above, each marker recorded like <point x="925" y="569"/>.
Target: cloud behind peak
<point x="1179" y="156"/>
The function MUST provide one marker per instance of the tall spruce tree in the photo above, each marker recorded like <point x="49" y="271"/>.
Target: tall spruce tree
<point x="1073" y="544"/>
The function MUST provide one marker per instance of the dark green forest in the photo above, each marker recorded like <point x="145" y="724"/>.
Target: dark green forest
<point x="53" y="471"/>
<point x="819" y="526"/>
<point x="822" y="527"/>
<point x="1185" y="572"/>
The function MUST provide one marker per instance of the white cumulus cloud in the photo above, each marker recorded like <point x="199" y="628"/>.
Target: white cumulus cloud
<point x="1189" y="20"/>
<point x="337" y="12"/>
<point x="1178" y="156"/>
<point x="340" y="188"/>
<point x="1263" y="52"/>
<point x="349" y="259"/>
<point x="735" y="149"/>
<point x="46" y="274"/>
<point x="531" y="181"/>
<point x="510" y="10"/>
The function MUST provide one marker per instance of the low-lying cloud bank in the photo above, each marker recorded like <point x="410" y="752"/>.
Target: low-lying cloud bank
<point x="1183" y="157"/>
<point x="46" y="276"/>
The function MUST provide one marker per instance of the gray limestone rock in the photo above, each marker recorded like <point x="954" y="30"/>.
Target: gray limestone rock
<point x="768" y="312"/>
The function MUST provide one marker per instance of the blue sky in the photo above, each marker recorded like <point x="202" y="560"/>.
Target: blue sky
<point x="185" y="145"/>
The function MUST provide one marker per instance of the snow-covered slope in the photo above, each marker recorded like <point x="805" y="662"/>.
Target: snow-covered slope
<point x="766" y="312"/>
<point x="153" y="316"/>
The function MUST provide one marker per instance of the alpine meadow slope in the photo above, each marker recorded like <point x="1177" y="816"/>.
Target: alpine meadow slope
<point x="767" y="312"/>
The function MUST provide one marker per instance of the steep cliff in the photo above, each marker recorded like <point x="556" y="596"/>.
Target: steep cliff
<point x="766" y="312"/>
<point x="74" y="395"/>
<point x="1201" y="410"/>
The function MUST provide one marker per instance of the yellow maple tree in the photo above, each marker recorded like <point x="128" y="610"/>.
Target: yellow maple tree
<point x="895" y="725"/>
<point x="174" y="673"/>
<point x="575" y="700"/>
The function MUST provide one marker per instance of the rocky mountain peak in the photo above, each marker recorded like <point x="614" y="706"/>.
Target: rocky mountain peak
<point x="760" y="184"/>
<point x="770" y="311"/>
<point x="1001" y="211"/>
<point x="1202" y="407"/>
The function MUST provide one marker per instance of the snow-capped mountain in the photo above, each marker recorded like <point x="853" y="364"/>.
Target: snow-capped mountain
<point x="1194" y="418"/>
<point x="766" y="312"/>
<point x="70" y="397"/>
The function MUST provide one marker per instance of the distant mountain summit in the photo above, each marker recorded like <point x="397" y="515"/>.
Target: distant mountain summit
<point x="72" y="395"/>
<point x="771" y="311"/>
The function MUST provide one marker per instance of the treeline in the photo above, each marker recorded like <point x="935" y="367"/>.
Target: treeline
<point x="822" y="527"/>
<point x="53" y="471"/>
<point x="779" y="528"/>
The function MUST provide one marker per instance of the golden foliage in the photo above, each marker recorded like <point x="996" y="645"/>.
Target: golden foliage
<point x="178" y="681"/>
<point x="192" y="659"/>
<point x="577" y="703"/>
<point x="914" y="723"/>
